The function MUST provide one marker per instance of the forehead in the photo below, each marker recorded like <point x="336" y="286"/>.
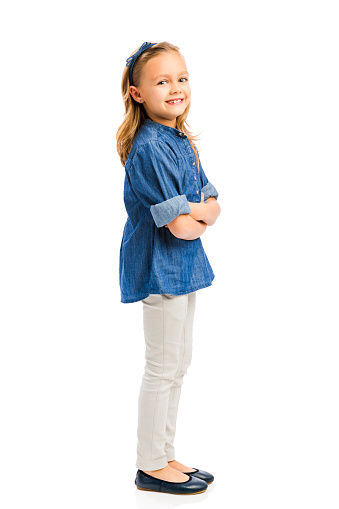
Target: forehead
<point x="168" y="62"/>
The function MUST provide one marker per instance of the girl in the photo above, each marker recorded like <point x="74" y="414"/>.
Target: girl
<point x="170" y="203"/>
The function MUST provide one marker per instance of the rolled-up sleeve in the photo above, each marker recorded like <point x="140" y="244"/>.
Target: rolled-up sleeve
<point x="209" y="190"/>
<point x="155" y="179"/>
<point x="168" y="210"/>
<point x="207" y="187"/>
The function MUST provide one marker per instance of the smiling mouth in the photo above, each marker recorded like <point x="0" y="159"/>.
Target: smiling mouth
<point x="175" y="101"/>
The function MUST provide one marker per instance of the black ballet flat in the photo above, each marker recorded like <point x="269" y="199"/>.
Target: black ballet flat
<point x="192" y="486"/>
<point x="201" y="474"/>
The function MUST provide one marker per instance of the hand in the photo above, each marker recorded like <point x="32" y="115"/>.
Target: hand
<point x="198" y="209"/>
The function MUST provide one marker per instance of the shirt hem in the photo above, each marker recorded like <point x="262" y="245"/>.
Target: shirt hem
<point x="189" y="290"/>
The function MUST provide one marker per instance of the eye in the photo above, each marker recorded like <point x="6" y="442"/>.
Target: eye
<point x="164" y="81"/>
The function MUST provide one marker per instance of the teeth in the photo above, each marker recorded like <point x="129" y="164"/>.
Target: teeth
<point x="175" y="102"/>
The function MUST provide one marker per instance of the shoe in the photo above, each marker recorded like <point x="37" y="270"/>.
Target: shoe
<point x="147" y="482"/>
<point x="201" y="474"/>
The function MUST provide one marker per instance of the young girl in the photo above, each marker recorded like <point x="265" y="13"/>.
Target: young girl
<point x="170" y="203"/>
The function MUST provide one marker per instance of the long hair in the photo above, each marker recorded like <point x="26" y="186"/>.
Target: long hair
<point x="135" y="113"/>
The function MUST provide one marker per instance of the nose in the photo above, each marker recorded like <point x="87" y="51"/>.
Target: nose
<point x="175" y="88"/>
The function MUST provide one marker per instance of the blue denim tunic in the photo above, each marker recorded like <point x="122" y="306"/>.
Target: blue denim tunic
<point x="161" y="177"/>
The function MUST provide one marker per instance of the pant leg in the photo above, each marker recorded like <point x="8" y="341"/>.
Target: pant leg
<point x="185" y="361"/>
<point x="164" y="324"/>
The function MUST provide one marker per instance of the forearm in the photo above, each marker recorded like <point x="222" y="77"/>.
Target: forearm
<point x="187" y="228"/>
<point x="207" y="211"/>
<point x="195" y="229"/>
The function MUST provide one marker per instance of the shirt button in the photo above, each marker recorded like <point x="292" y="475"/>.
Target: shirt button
<point x="193" y="164"/>
<point x="180" y="134"/>
<point x="195" y="178"/>
<point x="197" y="191"/>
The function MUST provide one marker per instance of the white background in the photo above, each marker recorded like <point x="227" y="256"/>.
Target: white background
<point x="259" y="405"/>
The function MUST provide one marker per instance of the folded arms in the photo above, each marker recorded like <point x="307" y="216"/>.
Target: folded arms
<point x="187" y="220"/>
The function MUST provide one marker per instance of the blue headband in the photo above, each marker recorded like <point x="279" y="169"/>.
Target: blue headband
<point x="131" y="60"/>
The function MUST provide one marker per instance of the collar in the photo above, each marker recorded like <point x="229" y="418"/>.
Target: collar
<point x="163" y="127"/>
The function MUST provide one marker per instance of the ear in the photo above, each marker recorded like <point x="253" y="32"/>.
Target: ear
<point x="135" y="93"/>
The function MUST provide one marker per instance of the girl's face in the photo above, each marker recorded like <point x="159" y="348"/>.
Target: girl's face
<point x="164" y="78"/>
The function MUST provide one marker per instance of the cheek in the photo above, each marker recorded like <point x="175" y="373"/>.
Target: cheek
<point x="158" y="95"/>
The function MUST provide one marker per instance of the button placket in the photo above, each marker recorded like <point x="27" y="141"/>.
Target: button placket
<point x="191" y="158"/>
<point x="195" y="177"/>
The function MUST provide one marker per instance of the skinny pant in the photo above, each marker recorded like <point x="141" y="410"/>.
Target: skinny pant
<point x="168" y="326"/>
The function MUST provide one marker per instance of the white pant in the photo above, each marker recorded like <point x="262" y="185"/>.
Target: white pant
<point x="168" y="325"/>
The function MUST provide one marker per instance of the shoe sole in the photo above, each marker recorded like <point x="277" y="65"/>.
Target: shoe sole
<point x="170" y="493"/>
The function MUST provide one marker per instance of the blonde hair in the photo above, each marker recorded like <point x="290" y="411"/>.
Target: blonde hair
<point x="135" y="114"/>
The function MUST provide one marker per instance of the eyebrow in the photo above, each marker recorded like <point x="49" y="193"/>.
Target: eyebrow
<point x="167" y="75"/>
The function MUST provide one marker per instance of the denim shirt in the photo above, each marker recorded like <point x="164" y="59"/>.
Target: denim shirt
<point x="161" y="177"/>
